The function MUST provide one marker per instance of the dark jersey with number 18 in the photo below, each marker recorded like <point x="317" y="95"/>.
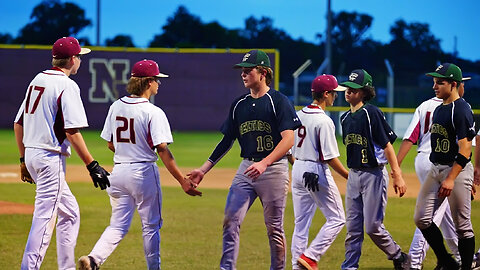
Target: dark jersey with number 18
<point x="450" y="123"/>
<point x="366" y="133"/>
<point x="258" y="122"/>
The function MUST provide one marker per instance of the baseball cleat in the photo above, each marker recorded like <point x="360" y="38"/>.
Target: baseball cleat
<point x="402" y="263"/>
<point x="476" y="261"/>
<point x="306" y="263"/>
<point x="87" y="263"/>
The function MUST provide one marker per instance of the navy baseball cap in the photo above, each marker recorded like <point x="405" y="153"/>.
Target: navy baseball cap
<point x="448" y="71"/>
<point x="254" y="58"/>
<point x="358" y="79"/>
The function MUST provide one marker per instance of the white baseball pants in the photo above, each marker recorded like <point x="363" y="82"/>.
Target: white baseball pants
<point x="305" y="204"/>
<point x="53" y="199"/>
<point x="133" y="186"/>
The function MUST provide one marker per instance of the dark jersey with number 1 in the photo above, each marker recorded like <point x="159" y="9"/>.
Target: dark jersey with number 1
<point x="258" y="122"/>
<point x="366" y="133"/>
<point x="451" y="122"/>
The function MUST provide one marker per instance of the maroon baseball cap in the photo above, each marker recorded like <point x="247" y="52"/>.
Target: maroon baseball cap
<point x="326" y="83"/>
<point x="147" y="68"/>
<point x="67" y="47"/>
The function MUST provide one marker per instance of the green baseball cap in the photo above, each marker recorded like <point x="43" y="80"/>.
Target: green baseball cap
<point x="358" y="79"/>
<point x="254" y="58"/>
<point x="447" y="71"/>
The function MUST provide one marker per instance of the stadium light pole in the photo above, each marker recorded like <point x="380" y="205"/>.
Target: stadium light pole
<point x="328" y="45"/>
<point x="390" y="91"/>
<point x="98" y="22"/>
<point x="295" y="76"/>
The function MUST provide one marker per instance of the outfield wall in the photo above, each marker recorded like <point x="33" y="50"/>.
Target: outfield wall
<point x="197" y="95"/>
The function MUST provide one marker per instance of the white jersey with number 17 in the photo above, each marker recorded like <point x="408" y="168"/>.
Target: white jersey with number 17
<point x="52" y="104"/>
<point x="418" y="132"/>
<point x="136" y="126"/>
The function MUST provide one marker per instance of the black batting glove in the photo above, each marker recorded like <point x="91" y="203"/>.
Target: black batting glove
<point x="98" y="174"/>
<point x="311" y="181"/>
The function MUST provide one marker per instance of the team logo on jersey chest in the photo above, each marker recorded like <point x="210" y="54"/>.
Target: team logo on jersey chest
<point x="254" y="125"/>
<point x="355" y="139"/>
<point x="439" y="129"/>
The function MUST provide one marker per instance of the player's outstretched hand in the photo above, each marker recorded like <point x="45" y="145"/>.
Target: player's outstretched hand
<point x="98" y="174"/>
<point x="189" y="187"/>
<point x="399" y="185"/>
<point x="255" y="170"/>
<point x="311" y="181"/>
<point x="196" y="176"/>
<point x="24" y="174"/>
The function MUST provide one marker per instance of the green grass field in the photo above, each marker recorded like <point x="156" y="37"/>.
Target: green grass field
<point x="190" y="149"/>
<point x="192" y="230"/>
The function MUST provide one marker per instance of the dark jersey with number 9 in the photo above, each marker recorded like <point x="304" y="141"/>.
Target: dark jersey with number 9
<point x="258" y="122"/>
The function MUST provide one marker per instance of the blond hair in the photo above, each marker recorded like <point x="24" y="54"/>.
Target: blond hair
<point x="61" y="62"/>
<point x="138" y="85"/>
<point x="268" y="72"/>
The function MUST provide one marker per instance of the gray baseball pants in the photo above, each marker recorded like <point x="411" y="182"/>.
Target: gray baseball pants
<point x="365" y="202"/>
<point x="271" y="188"/>
<point x="459" y="200"/>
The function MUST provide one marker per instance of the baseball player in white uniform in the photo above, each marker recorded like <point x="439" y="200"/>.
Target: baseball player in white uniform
<point x="313" y="186"/>
<point x="46" y="124"/>
<point x="476" y="182"/>
<point x="418" y="133"/>
<point x="134" y="129"/>
<point x="451" y="175"/>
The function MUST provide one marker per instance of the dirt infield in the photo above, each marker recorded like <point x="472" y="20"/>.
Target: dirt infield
<point x="216" y="178"/>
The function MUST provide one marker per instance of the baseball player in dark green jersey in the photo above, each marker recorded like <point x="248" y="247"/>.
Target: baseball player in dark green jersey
<point x="451" y="175"/>
<point x="263" y="121"/>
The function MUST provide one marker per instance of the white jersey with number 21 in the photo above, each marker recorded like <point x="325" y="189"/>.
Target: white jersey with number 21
<point x="136" y="126"/>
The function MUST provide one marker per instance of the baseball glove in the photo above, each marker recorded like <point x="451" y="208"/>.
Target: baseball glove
<point x="98" y="174"/>
<point x="311" y="181"/>
<point x="24" y="174"/>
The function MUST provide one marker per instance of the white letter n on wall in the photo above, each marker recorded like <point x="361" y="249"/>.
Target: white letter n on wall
<point x="109" y="78"/>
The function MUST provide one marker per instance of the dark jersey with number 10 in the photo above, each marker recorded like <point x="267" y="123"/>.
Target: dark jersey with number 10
<point x="450" y="123"/>
<point x="258" y="122"/>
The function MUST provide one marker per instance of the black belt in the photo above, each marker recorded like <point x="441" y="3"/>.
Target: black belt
<point x="254" y="159"/>
<point x="116" y="163"/>
<point x="445" y="164"/>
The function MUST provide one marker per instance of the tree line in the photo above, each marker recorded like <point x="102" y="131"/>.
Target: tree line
<point x="412" y="51"/>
